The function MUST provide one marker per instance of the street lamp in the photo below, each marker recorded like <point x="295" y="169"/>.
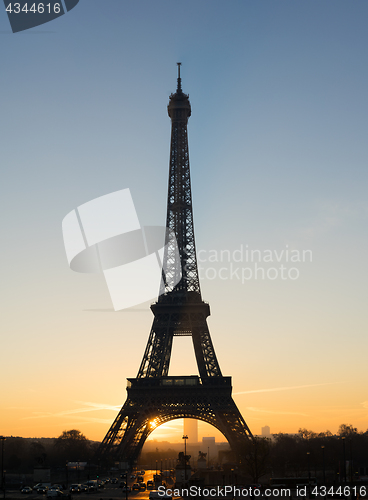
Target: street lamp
<point x="125" y="477"/>
<point x="351" y="462"/>
<point x="309" y="474"/>
<point x="344" y="457"/>
<point x="66" y="474"/>
<point x="2" y="439"/>
<point x="185" y="437"/>
<point x="88" y="475"/>
<point x="323" y="463"/>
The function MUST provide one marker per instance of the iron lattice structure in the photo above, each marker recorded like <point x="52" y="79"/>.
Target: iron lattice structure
<point x="153" y="397"/>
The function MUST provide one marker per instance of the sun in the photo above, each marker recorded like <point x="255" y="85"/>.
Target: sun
<point x="153" y="424"/>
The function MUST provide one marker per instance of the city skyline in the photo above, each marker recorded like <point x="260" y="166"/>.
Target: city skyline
<point x="278" y="165"/>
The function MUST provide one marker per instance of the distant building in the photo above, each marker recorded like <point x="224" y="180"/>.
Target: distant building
<point x="266" y="431"/>
<point x="191" y="430"/>
<point x="209" y="447"/>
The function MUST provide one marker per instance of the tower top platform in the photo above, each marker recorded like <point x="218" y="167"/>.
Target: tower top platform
<point x="179" y="101"/>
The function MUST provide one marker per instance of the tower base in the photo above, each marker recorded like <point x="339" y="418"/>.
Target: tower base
<point x="154" y="401"/>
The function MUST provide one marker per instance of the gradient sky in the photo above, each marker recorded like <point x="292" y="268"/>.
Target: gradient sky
<point x="278" y="152"/>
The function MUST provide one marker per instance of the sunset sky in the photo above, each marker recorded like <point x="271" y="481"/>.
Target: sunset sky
<point x="278" y="153"/>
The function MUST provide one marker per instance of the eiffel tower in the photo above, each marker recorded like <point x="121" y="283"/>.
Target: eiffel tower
<point x="154" y="397"/>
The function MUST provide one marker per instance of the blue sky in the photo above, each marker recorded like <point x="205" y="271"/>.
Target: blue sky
<point x="278" y="155"/>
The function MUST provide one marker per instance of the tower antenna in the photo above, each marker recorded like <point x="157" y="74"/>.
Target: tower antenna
<point x="179" y="79"/>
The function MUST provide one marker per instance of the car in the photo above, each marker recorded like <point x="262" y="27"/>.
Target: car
<point x="39" y="485"/>
<point x="142" y="486"/>
<point x="92" y="485"/>
<point x="75" y="488"/>
<point x="83" y="488"/>
<point x="143" y="472"/>
<point x="150" y="484"/>
<point x="132" y="476"/>
<point x="136" y="487"/>
<point x="42" y="489"/>
<point x="126" y="489"/>
<point x="26" y="490"/>
<point x="139" y="478"/>
<point x="114" y="480"/>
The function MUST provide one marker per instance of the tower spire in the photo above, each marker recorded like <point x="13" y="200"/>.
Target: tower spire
<point x="178" y="89"/>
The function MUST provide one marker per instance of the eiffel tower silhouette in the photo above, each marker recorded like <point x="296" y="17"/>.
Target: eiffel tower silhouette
<point x="154" y="397"/>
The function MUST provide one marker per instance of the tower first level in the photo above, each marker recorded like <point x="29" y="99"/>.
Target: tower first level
<point x="155" y="401"/>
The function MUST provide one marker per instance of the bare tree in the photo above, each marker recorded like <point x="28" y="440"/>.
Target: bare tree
<point x="255" y="457"/>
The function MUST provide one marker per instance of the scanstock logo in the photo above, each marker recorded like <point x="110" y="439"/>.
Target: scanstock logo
<point x="104" y="235"/>
<point x="26" y="14"/>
